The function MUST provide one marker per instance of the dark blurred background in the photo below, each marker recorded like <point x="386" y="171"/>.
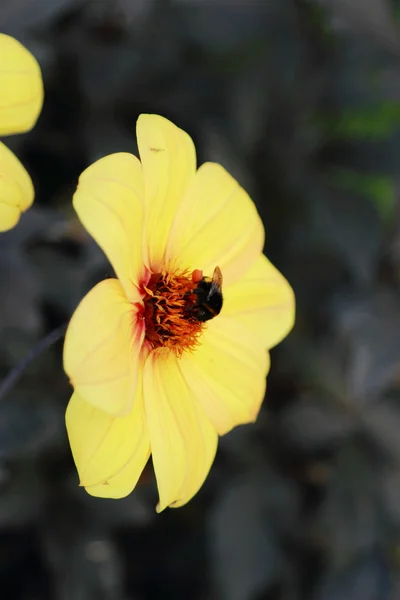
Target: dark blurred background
<point x="300" y="101"/>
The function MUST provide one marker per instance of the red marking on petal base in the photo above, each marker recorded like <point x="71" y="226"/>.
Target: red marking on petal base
<point x="168" y="302"/>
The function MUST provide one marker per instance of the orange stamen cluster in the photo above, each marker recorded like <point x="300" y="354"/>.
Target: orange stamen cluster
<point x="169" y="320"/>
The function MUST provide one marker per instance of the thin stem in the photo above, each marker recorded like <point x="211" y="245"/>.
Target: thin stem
<point x="14" y="375"/>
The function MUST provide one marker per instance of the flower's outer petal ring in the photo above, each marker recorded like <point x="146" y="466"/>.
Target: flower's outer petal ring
<point x="122" y="483"/>
<point x="216" y="224"/>
<point x="183" y="441"/>
<point x="102" y="348"/>
<point x="227" y="373"/>
<point x="168" y="158"/>
<point x="109" y="452"/>
<point x="16" y="189"/>
<point x="263" y="301"/>
<point x="21" y="87"/>
<point x="109" y="203"/>
<point x="9" y="216"/>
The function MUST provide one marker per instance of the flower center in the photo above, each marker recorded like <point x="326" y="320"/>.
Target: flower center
<point x="170" y="311"/>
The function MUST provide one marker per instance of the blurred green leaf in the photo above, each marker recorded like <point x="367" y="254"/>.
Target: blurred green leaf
<point x="376" y="122"/>
<point x="379" y="189"/>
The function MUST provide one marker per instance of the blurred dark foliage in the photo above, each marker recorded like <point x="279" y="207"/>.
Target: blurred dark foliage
<point x="300" y="100"/>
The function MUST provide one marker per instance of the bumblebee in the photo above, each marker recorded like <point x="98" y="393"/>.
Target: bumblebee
<point x="207" y="297"/>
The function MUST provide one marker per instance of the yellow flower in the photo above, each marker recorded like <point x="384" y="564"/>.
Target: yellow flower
<point x="21" y="99"/>
<point x="150" y="375"/>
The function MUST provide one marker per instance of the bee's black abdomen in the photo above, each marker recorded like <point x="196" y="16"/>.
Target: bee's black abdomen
<point x="205" y="313"/>
<point x="206" y="298"/>
<point x="209" y="301"/>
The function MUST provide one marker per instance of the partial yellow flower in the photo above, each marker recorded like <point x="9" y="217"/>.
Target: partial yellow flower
<point x="157" y="367"/>
<point x="21" y="100"/>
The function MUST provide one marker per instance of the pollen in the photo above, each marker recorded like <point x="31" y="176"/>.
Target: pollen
<point x="168" y="311"/>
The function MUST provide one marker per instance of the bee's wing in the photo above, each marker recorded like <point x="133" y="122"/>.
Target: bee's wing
<point x="217" y="278"/>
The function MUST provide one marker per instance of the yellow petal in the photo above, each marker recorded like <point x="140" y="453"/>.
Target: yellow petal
<point x="109" y="452"/>
<point x="227" y="373"/>
<point x="169" y="163"/>
<point x="102" y="348"/>
<point x="263" y="301"/>
<point x="183" y="442"/>
<point x="9" y="216"/>
<point x="109" y="203"/>
<point x="216" y="224"/>
<point x="124" y="482"/>
<point x="21" y="87"/>
<point x="16" y="189"/>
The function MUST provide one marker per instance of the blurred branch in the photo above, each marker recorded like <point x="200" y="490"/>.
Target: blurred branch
<point x="372" y="17"/>
<point x="14" y="375"/>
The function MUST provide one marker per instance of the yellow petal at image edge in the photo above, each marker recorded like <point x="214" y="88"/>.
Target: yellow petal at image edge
<point x="9" y="216"/>
<point x="216" y="224"/>
<point x="227" y="373"/>
<point x="263" y="301"/>
<point x="102" y="348"/>
<point x="109" y="452"/>
<point x="168" y="159"/>
<point x="183" y="441"/>
<point x="21" y="87"/>
<point x="109" y="202"/>
<point x="16" y="189"/>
